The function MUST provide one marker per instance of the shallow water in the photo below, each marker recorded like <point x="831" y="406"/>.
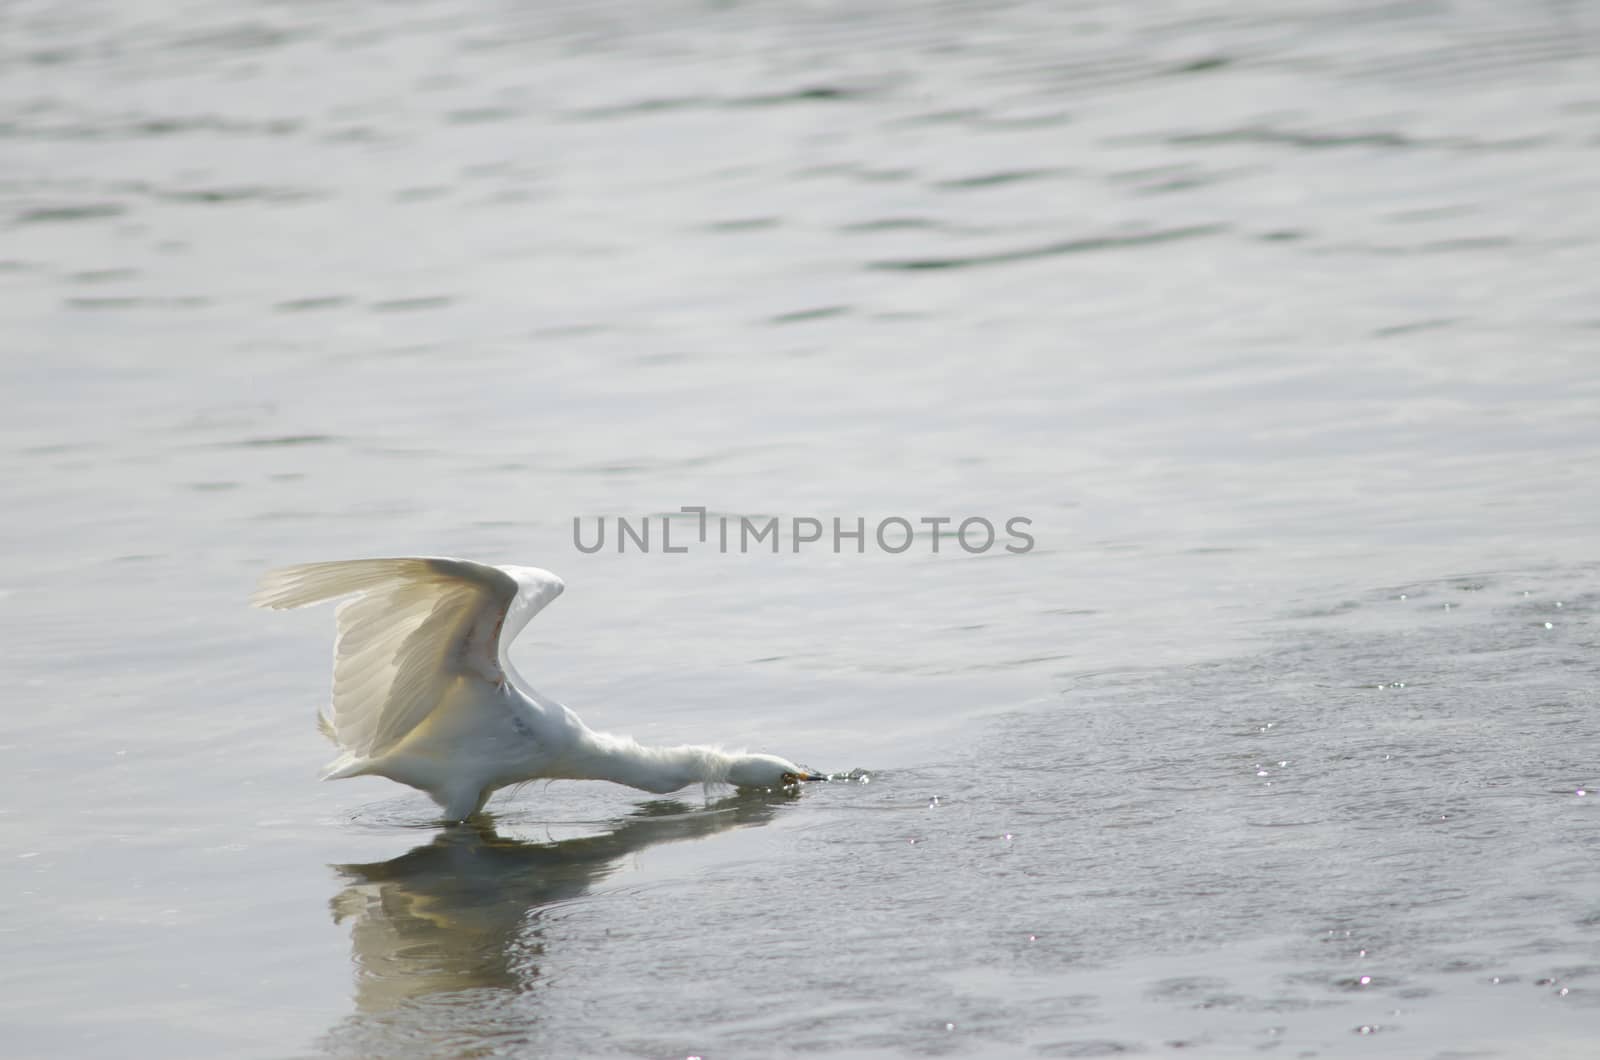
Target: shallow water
<point x="1278" y="325"/>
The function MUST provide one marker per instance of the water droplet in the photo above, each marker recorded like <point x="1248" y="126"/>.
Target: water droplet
<point x="1558" y="603"/>
<point x="1562" y="992"/>
<point x="949" y="1026"/>
<point x="1282" y="765"/>
<point x="1361" y="953"/>
<point x="1367" y="1028"/>
<point x="1495" y="980"/>
<point x="1261" y="772"/>
<point x="1033" y="938"/>
<point x="1007" y="836"/>
<point x="1402" y="596"/>
<point x="933" y="802"/>
<point x="1581" y="793"/>
<point x="1549" y="625"/>
<point x="1365" y="980"/>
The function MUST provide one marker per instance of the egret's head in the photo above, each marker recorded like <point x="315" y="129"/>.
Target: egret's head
<point x="767" y="771"/>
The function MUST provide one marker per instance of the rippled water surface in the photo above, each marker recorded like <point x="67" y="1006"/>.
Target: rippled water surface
<point x="1278" y="321"/>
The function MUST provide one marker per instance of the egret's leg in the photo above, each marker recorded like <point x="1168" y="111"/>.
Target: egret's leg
<point x="464" y="802"/>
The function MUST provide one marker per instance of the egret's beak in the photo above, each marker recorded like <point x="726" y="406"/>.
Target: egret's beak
<point x="813" y="776"/>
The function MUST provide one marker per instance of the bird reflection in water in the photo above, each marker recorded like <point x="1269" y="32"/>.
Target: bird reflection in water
<point x="445" y="936"/>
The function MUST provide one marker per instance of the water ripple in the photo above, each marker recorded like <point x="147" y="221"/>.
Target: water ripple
<point x="1047" y="250"/>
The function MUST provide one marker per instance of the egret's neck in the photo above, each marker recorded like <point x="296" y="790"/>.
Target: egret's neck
<point x="601" y="756"/>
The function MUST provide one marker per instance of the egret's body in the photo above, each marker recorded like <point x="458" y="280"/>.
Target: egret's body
<point x="424" y="692"/>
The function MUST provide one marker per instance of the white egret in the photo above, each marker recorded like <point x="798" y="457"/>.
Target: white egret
<point x="424" y="692"/>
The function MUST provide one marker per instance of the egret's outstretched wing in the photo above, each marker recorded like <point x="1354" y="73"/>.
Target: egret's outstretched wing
<point x="419" y="628"/>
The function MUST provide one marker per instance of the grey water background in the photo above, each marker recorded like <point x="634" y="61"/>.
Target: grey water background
<point x="1278" y="320"/>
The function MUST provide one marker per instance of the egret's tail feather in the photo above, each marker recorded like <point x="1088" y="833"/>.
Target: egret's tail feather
<point x="311" y="583"/>
<point x="347" y="766"/>
<point x="325" y="726"/>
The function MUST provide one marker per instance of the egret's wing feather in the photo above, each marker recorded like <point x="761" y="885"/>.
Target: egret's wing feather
<point x="418" y="628"/>
<point x="312" y="583"/>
